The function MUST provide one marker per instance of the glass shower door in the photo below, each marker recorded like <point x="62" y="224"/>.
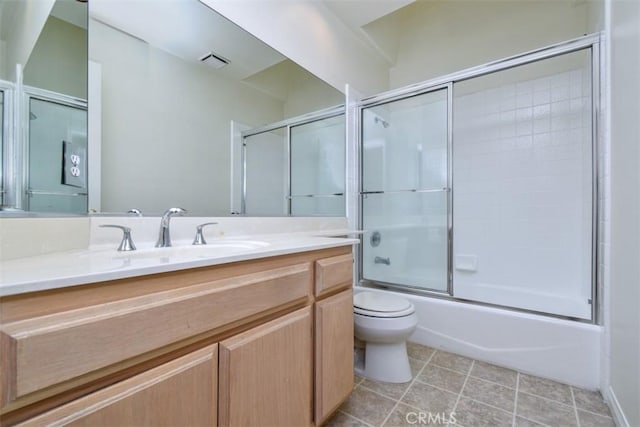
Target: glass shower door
<point x="57" y="166"/>
<point x="266" y="166"/>
<point x="318" y="168"/>
<point x="1" y="146"/>
<point x="405" y="192"/>
<point x="523" y="186"/>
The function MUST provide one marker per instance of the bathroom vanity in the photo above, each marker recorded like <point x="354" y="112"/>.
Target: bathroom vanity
<point x="255" y="340"/>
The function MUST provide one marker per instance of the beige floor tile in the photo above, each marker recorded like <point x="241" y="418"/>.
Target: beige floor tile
<point x="545" y="411"/>
<point x="368" y="406"/>
<point x="418" y="351"/>
<point x="490" y="393"/>
<point x="588" y="419"/>
<point x="443" y="378"/>
<point x="340" y="419"/>
<point x="496" y="374"/>
<point x="416" y="365"/>
<point x="545" y="388"/>
<point x="523" y="422"/>
<point x="451" y="361"/>
<point x="402" y="416"/>
<point x="427" y="398"/>
<point x="475" y="414"/>
<point x="487" y="398"/>
<point x="391" y="390"/>
<point x="591" y="401"/>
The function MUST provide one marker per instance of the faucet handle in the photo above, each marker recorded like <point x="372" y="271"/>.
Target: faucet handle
<point x="127" y="243"/>
<point x="134" y="211"/>
<point x="199" y="239"/>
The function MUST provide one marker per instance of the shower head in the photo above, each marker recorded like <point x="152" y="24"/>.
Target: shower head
<point x="384" y="123"/>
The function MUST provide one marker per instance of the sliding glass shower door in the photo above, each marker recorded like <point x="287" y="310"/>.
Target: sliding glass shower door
<point x="296" y="167"/>
<point x="266" y="165"/>
<point x="405" y="192"/>
<point x="57" y="161"/>
<point x="523" y="169"/>
<point x="318" y="168"/>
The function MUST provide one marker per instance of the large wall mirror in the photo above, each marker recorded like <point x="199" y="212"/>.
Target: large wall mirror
<point x="163" y="120"/>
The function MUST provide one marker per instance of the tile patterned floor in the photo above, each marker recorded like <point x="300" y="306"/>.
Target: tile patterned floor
<point x="477" y="393"/>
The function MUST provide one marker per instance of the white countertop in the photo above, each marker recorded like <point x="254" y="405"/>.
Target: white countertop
<point x="102" y="263"/>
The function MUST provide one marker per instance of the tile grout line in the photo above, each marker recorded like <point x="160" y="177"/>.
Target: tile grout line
<point x="534" y="421"/>
<point x="413" y="380"/>
<point x="575" y="408"/>
<point x="355" y="418"/>
<point x="464" y="384"/>
<point x="597" y="414"/>
<point x="567" y="405"/>
<point x="515" y="403"/>
<point x="493" y="382"/>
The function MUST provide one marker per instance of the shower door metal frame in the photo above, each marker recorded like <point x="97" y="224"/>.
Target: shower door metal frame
<point x="592" y="42"/>
<point x="287" y="124"/>
<point x="7" y="167"/>
<point x="29" y="93"/>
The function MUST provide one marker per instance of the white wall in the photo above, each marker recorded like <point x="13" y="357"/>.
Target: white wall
<point x="301" y="91"/>
<point x="22" y="22"/>
<point x="624" y="310"/>
<point x="59" y="59"/>
<point x="441" y="37"/>
<point x="165" y="127"/>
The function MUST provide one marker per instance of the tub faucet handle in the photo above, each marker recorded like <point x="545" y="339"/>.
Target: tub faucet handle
<point x="199" y="239"/>
<point x="127" y="243"/>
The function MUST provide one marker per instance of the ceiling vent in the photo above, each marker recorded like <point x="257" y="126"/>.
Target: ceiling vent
<point x="213" y="60"/>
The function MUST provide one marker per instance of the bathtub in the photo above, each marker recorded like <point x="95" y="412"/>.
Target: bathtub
<point x="558" y="349"/>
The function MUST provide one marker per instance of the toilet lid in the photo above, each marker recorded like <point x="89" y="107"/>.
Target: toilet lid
<point x="381" y="305"/>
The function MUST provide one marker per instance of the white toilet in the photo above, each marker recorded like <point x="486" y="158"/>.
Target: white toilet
<point x="384" y="322"/>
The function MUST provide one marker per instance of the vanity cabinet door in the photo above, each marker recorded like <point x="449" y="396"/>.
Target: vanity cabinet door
<point x="333" y="353"/>
<point x="266" y="374"/>
<point x="182" y="392"/>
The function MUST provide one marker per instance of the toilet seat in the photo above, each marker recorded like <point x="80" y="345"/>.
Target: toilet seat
<point x="377" y="305"/>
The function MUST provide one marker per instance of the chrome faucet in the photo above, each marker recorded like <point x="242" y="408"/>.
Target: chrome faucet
<point x="164" y="238"/>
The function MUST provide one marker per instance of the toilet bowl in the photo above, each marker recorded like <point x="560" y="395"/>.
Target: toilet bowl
<point x="383" y="322"/>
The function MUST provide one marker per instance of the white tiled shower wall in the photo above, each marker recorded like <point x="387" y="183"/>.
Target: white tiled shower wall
<point x="522" y="192"/>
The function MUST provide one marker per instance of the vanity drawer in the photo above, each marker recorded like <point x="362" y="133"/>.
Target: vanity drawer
<point x="46" y="350"/>
<point x="180" y="392"/>
<point x="333" y="274"/>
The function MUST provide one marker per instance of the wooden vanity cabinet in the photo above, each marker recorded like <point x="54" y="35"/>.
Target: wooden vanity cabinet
<point x="333" y="353"/>
<point x="182" y="392"/>
<point x="253" y="343"/>
<point x="333" y="331"/>
<point x="266" y="374"/>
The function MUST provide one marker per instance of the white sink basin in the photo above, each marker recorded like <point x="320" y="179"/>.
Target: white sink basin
<point x="213" y="249"/>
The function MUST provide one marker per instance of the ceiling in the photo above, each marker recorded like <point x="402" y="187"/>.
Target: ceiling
<point x="189" y="29"/>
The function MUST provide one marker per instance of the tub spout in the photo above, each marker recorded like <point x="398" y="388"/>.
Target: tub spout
<point x="380" y="260"/>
